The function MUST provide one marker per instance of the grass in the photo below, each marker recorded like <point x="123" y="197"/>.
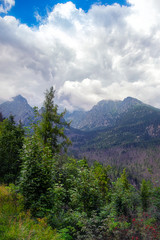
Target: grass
<point x="15" y="224"/>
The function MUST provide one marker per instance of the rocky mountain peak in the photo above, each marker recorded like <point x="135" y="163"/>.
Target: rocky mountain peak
<point x="19" y="108"/>
<point x="105" y="113"/>
<point x="20" y="99"/>
<point x="132" y="101"/>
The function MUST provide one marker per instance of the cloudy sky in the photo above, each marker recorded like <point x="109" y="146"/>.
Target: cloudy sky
<point x="88" y="50"/>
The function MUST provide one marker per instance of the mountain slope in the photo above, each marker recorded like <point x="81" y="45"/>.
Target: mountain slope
<point x="138" y="125"/>
<point x="132" y="142"/>
<point x="104" y="114"/>
<point x="19" y="108"/>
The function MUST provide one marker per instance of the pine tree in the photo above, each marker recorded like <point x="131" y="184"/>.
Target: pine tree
<point x="145" y="193"/>
<point x="39" y="151"/>
<point x="52" y="125"/>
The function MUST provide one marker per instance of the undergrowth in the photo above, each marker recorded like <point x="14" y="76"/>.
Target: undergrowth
<point x="15" y="224"/>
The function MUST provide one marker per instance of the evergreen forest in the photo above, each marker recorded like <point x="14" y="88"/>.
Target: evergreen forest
<point x="47" y="194"/>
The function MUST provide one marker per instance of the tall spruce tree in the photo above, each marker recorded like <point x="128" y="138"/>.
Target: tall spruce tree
<point x="39" y="151"/>
<point x="52" y="125"/>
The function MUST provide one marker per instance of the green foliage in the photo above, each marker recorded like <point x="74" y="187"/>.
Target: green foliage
<point x="16" y="224"/>
<point x="52" y="125"/>
<point x="59" y="197"/>
<point x="156" y="203"/>
<point x="36" y="180"/>
<point x="145" y="193"/>
<point x="124" y="180"/>
<point x="65" y="234"/>
<point x="124" y="197"/>
<point x="101" y="174"/>
<point x="11" y="141"/>
<point x="80" y="201"/>
<point x="86" y="195"/>
<point x="38" y="157"/>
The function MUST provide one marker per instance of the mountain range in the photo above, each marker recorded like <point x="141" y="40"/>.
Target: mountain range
<point x="108" y="123"/>
<point x="116" y="123"/>
<point x="104" y="114"/>
<point x="122" y="133"/>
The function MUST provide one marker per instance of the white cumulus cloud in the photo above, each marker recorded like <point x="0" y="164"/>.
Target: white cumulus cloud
<point x="6" y="5"/>
<point x="110" y="52"/>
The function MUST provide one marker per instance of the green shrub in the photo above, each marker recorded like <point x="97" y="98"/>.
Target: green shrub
<point x="16" y="224"/>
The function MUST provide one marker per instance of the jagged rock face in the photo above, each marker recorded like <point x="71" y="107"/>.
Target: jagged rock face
<point x="104" y="114"/>
<point x="19" y="108"/>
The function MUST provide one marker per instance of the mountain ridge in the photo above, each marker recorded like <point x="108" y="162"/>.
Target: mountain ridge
<point x="104" y="114"/>
<point x="19" y="108"/>
<point x="109" y="123"/>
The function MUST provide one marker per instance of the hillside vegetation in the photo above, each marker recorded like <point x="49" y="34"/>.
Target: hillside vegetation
<point x="16" y="224"/>
<point x="56" y="196"/>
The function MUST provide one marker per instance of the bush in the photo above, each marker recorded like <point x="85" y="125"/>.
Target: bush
<point x="16" y="224"/>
